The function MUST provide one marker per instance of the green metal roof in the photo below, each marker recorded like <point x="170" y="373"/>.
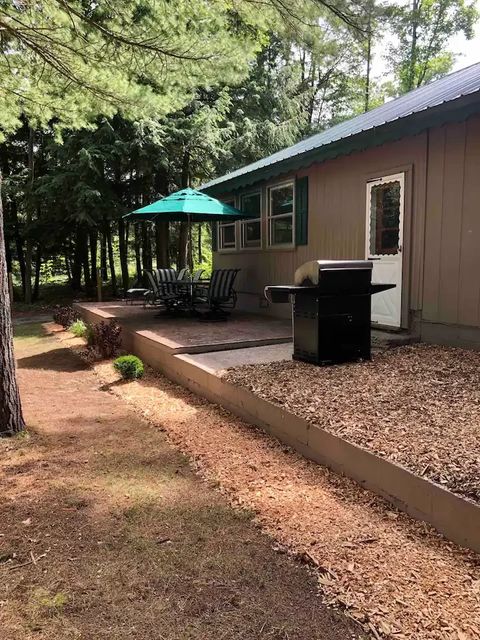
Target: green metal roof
<point x="454" y="96"/>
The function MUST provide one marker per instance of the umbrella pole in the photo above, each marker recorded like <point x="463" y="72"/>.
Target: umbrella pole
<point x="190" y="244"/>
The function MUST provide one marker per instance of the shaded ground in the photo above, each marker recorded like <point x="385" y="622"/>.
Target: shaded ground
<point x="418" y="406"/>
<point x="106" y="533"/>
<point x="398" y="576"/>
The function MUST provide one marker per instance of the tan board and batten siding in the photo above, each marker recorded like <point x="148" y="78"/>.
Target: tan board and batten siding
<point x="441" y="259"/>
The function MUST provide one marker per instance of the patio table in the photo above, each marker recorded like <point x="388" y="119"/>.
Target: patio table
<point x="189" y="286"/>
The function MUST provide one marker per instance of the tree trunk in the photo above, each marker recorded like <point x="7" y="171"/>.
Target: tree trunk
<point x="111" y="262"/>
<point x="162" y="242"/>
<point x="93" y="238"/>
<point x="103" y="257"/>
<point x="366" y="105"/>
<point x="11" y="418"/>
<point x="38" y="265"/>
<point x="182" y="246"/>
<point x="182" y="257"/>
<point x="87" y="276"/>
<point x="29" y="239"/>
<point x="77" y="261"/>
<point x="412" y="63"/>
<point x="138" y="262"/>
<point x="123" y="247"/>
<point x="18" y="244"/>
<point x="146" y="247"/>
<point x="67" y="269"/>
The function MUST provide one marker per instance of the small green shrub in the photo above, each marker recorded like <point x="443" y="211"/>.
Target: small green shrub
<point x="79" y="329"/>
<point x="65" y="316"/>
<point x="105" y="338"/>
<point x="130" y="367"/>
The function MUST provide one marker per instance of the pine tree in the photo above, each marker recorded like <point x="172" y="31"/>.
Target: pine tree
<point x="66" y="62"/>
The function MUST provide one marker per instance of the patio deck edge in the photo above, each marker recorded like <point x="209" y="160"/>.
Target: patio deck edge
<point x="93" y="313"/>
<point x="455" y="517"/>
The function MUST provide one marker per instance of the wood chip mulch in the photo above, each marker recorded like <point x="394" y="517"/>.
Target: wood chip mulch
<point x="418" y="406"/>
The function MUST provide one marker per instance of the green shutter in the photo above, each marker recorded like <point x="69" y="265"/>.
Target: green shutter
<point x="301" y="211"/>
<point x="214" y="236"/>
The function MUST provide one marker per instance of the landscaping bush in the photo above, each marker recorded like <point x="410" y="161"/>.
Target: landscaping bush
<point x="130" y="367"/>
<point x="65" y="316"/>
<point x="79" y="329"/>
<point x="105" y="338"/>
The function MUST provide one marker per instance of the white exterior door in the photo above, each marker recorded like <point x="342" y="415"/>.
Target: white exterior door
<point x="385" y="212"/>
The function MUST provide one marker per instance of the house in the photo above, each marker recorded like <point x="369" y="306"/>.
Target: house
<point x="399" y="184"/>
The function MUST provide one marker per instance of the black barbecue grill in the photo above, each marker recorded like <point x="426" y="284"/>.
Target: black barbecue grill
<point x="331" y="309"/>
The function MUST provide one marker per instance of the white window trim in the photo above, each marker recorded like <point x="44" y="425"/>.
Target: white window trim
<point x="273" y="187"/>
<point x="233" y="248"/>
<point x="242" y="223"/>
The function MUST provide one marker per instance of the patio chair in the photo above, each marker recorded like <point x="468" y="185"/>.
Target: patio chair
<point x="165" y="275"/>
<point x="136" y="293"/>
<point x="182" y="274"/>
<point x="197" y="275"/>
<point x="169" y="294"/>
<point x="152" y="294"/>
<point x="220" y="295"/>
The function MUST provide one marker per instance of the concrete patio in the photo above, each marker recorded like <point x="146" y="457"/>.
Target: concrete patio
<point x="188" y="335"/>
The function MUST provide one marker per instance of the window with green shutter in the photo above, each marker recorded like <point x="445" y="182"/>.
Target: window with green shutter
<point x="301" y="211"/>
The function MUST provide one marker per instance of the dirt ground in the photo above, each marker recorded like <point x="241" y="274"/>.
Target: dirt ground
<point x="397" y="576"/>
<point x="418" y="406"/>
<point x="105" y="532"/>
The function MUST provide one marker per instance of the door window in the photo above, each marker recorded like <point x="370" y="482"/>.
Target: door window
<point x="385" y="208"/>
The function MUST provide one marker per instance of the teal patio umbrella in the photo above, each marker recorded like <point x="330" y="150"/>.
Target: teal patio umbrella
<point x="188" y="205"/>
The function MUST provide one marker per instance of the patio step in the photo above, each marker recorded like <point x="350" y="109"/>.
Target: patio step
<point x="383" y="340"/>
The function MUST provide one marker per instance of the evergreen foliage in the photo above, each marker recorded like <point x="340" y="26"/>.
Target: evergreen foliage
<point x="130" y="367"/>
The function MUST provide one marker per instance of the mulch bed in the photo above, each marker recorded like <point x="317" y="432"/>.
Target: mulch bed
<point x="418" y="406"/>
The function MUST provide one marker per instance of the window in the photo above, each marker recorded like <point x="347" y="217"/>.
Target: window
<point x="281" y="214"/>
<point x="227" y="232"/>
<point x="385" y="207"/>
<point x="251" y="236"/>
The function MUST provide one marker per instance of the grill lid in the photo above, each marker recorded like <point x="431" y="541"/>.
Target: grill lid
<point x="310" y="273"/>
